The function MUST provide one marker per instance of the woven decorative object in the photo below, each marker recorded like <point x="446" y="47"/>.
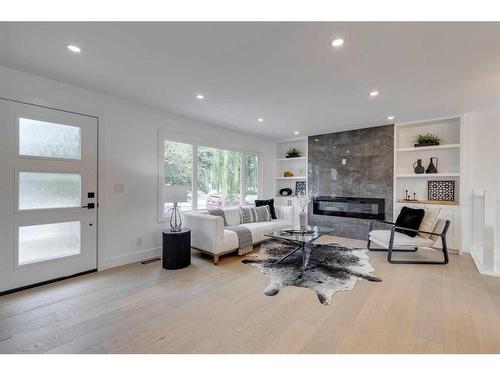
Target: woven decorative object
<point x="300" y="187"/>
<point x="441" y="190"/>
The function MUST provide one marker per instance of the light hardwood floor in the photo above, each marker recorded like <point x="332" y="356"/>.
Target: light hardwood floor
<point x="222" y="309"/>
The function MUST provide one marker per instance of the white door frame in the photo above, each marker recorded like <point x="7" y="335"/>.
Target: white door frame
<point x="82" y="111"/>
<point x="9" y="93"/>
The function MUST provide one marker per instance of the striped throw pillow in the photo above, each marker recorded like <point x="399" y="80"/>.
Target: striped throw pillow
<point x="247" y="215"/>
<point x="262" y="213"/>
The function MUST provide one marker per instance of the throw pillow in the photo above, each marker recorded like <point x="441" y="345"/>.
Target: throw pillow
<point x="430" y="219"/>
<point x="232" y="215"/>
<point x="410" y="218"/>
<point x="262" y="213"/>
<point x="247" y="215"/>
<point x="267" y="202"/>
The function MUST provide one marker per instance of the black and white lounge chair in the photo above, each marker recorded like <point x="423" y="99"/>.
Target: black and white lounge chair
<point x="395" y="241"/>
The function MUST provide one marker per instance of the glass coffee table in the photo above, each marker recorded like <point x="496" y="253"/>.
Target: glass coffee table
<point x="299" y="240"/>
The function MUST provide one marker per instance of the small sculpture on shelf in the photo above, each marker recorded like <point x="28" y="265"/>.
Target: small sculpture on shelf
<point x="285" y="192"/>
<point x="287" y="174"/>
<point x="408" y="197"/>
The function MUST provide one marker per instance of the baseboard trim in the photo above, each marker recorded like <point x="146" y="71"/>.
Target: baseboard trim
<point x="122" y="260"/>
<point x="479" y="266"/>
<point x="45" y="282"/>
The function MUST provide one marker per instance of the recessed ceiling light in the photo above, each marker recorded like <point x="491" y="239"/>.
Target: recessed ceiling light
<point x="337" y="42"/>
<point x="260" y="120"/>
<point x="73" y="48"/>
<point x="390" y="118"/>
<point x="296" y="132"/>
<point x="374" y="93"/>
<point x="316" y="139"/>
<point x="200" y="97"/>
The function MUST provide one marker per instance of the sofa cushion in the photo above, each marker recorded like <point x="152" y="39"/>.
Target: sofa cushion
<point x="260" y="229"/>
<point x="232" y="215"/>
<point x="267" y="202"/>
<point x="229" y="242"/>
<point x="382" y="238"/>
<point x="262" y="213"/>
<point x="410" y="218"/>
<point x="429" y="222"/>
<point x="247" y="215"/>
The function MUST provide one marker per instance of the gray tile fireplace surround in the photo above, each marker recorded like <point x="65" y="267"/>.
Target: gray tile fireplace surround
<point x="356" y="163"/>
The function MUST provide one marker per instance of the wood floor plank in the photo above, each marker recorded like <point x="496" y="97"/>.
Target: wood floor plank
<point x="222" y="309"/>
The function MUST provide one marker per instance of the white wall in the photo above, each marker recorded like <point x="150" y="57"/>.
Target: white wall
<point x="128" y="155"/>
<point x="481" y="162"/>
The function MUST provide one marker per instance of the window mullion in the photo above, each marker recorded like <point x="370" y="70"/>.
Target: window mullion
<point x="194" y="188"/>
<point x="243" y="179"/>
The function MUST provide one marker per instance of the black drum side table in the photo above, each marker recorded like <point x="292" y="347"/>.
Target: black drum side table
<point x="176" y="249"/>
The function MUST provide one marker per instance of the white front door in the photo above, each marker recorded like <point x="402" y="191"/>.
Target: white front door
<point x="48" y="194"/>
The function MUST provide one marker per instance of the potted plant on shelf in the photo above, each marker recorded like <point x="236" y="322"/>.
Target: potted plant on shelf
<point x="427" y="140"/>
<point x="293" y="153"/>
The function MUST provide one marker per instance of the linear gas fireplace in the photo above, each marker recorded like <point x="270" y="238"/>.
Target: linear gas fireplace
<point x="360" y="208"/>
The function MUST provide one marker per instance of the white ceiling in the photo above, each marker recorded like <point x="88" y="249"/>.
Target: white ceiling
<point x="286" y="73"/>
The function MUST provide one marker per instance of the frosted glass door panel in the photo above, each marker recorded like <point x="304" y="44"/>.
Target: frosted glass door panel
<point x="39" y="190"/>
<point x="49" y="140"/>
<point x="48" y="241"/>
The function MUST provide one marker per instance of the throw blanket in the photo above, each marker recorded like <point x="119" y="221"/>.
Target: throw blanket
<point x="245" y="243"/>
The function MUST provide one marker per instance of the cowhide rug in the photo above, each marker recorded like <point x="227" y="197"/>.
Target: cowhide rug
<point x="331" y="268"/>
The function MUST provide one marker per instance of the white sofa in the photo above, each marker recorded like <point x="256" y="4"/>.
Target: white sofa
<point x="209" y="236"/>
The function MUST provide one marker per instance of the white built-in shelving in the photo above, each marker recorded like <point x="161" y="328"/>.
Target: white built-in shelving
<point x="449" y="167"/>
<point x="291" y="178"/>
<point x="428" y="148"/>
<point x="298" y="166"/>
<point x="428" y="175"/>
<point x="301" y="158"/>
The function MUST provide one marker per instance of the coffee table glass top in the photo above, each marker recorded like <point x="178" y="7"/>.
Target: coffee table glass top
<point x="299" y="237"/>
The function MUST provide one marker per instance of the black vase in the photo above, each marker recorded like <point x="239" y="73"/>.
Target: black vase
<point x="432" y="168"/>
<point x="419" y="169"/>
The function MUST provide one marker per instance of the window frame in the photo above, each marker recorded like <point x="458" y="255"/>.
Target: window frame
<point x="167" y="135"/>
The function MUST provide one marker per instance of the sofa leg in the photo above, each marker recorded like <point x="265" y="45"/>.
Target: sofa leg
<point x="216" y="259"/>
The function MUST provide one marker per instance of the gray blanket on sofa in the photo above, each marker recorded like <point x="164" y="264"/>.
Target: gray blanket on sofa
<point x="245" y="243"/>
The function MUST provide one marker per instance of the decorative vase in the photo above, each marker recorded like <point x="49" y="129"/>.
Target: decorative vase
<point x="417" y="167"/>
<point x="303" y="220"/>
<point x="432" y="168"/>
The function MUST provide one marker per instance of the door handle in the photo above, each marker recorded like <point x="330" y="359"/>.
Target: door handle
<point x="89" y="206"/>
